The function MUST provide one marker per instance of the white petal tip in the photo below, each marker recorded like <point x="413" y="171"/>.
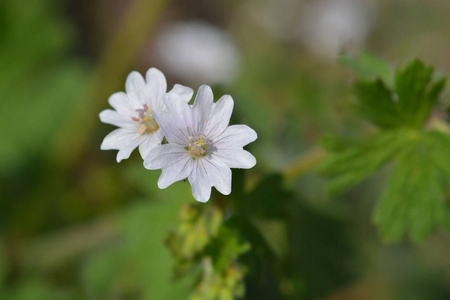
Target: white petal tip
<point x="254" y="135"/>
<point x="202" y="200"/>
<point x="149" y="166"/>
<point x="162" y="186"/>
<point x="104" y="147"/>
<point x="226" y="193"/>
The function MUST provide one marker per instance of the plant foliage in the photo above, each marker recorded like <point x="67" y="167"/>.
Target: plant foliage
<point x="414" y="197"/>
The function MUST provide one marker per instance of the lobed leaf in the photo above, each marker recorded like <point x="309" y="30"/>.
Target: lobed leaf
<point x="407" y="105"/>
<point x="359" y="160"/>
<point x="414" y="200"/>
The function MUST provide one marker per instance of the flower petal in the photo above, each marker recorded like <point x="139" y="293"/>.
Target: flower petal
<point x="235" y="137"/>
<point x="167" y="125"/>
<point x="201" y="187"/>
<point x="125" y="152"/>
<point x="164" y="156"/>
<point x="123" y="139"/>
<point x="236" y="158"/>
<point x="156" y="87"/>
<point x="150" y="141"/>
<point x="122" y="104"/>
<point x="201" y="110"/>
<point x="176" y="172"/>
<point x="120" y="138"/>
<point x="181" y="114"/>
<point x="136" y="90"/>
<point x="184" y="92"/>
<point x="219" y="174"/>
<point x="112" y="117"/>
<point x="220" y="116"/>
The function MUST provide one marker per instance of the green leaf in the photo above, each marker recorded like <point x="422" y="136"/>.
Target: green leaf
<point x="407" y="105"/>
<point x="40" y="80"/>
<point x="413" y="201"/>
<point x="139" y="263"/>
<point x="416" y="92"/>
<point x="376" y="104"/>
<point x="321" y="250"/>
<point x="360" y="159"/>
<point x="36" y="289"/>
<point x="368" y="67"/>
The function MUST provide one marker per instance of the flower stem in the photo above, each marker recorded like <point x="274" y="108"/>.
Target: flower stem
<point x="303" y="164"/>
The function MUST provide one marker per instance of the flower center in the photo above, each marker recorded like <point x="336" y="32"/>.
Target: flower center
<point x="147" y="121"/>
<point x="198" y="146"/>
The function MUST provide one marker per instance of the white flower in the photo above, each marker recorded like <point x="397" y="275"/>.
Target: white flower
<point x="202" y="147"/>
<point x="197" y="52"/>
<point x="327" y="27"/>
<point x="133" y="113"/>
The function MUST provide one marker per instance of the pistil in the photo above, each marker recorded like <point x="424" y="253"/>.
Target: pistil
<point x="147" y="121"/>
<point x="198" y="146"/>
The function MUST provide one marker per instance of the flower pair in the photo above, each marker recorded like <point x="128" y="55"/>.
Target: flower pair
<point x="200" y="145"/>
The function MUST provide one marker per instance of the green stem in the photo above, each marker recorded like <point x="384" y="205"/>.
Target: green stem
<point x="303" y="164"/>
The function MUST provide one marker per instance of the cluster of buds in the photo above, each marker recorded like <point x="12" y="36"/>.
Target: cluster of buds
<point x="203" y="242"/>
<point x="226" y="285"/>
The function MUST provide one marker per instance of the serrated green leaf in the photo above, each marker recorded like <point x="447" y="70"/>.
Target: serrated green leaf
<point x="413" y="200"/>
<point x="416" y="93"/>
<point x="407" y="105"/>
<point x="376" y="104"/>
<point x="359" y="160"/>
<point x="368" y="67"/>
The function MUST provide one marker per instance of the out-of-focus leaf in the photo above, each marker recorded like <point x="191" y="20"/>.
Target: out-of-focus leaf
<point x="359" y="159"/>
<point x="417" y="93"/>
<point x="413" y="200"/>
<point x="39" y="81"/>
<point x="103" y="270"/>
<point x="268" y="203"/>
<point x="320" y="250"/>
<point x="139" y="266"/>
<point x="368" y="67"/>
<point x="407" y="105"/>
<point x="36" y="289"/>
<point x="376" y="104"/>
<point x="267" y="200"/>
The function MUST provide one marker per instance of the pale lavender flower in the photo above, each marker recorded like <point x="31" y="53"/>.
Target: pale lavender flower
<point x="202" y="147"/>
<point x="133" y="113"/>
<point x="198" y="52"/>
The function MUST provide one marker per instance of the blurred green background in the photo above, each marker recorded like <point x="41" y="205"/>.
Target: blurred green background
<point x="74" y="224"/>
